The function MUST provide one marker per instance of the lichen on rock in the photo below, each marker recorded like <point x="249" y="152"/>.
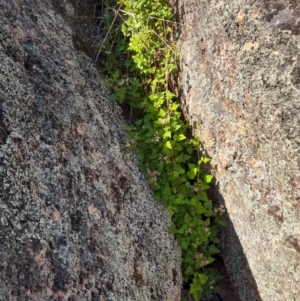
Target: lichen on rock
<point x="240" y="82"/>
<point x="77" y="220"/>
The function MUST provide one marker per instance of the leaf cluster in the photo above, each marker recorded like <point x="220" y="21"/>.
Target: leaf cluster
<point x="138" y="60"/>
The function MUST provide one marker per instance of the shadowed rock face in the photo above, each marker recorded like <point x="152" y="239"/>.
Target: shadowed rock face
<point x="240" y="77"/>
<point x="77" y="221"/>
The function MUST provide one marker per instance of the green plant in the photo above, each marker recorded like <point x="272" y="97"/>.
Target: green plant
<point x="138" y="59"/>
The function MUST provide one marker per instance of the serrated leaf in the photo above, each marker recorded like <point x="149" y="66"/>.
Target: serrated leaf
<point x="181" y="230"/>
<point x="207" y="221"/>
<point x="217" y="289"/>
<point x="168" y="145"/>
<point x="208" y="213"/>
<point x="186" y="157"/>
<point x="151" y="70"/>
<point x="187" y="218"/>
<point x="208" y="178"/>
<point x="187" y="184"/>
<point x="203" y="278"/>
<point x="196" y="291"/>
<point x="208" y="205"/>
<point x="191" y="166"/>
<point x="171" y="212"/>
<point x="183" y="179"/>
<point x="179" y="201"/>
<point x="116" y="74"/>
<point x="210" y="259"/>
<point x="181" y="137"/>
<point x="167" y="134"/>
<point x="170" y="95"/>
<point x="189" y="150"/>
<point x="206" y="160"/>
<point x="184" y="244"/>
<point x="174" y="106"/>
<point x="193" y="202"/>
<point x="203" y="196"/>
<point x="177" y="127"/>
<point x="139" y="122"/>
<point x="223" y="222"/>
<point x="200" y="209"/>
<point x="172" y="229"/>
<point x="192" y="173"/>
<point x="161" y="113"/>
<point x="189" y="270"/>
<point x="213" y="250"/>
<point x="180" y="170"/>
<point x="204" y="186"/>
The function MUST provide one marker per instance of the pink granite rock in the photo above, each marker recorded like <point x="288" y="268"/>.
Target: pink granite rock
<point x="240" y="80"/>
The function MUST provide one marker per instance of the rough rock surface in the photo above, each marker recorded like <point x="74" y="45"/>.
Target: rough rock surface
<point x="240" y="76"/>
<point x="77" y="221"/>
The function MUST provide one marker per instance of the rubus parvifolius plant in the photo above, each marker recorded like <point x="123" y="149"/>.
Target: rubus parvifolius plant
<point x="138" y="59"/>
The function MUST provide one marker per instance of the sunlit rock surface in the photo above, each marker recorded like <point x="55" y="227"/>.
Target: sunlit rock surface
<point x="240" y="81"/>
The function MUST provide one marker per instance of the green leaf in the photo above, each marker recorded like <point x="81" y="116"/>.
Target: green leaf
<point x="208" y="213"/>
<point x="208" y="178"/>
<point x="193" y="202"/>
<point x="189" y="150"/>
<point x="217" y="289"/>
<point x="213" y="250"/>
<point x="179" y="201"/>
<point x="189" y="270"/>
<point x="184" y="244"/>
<point x="196" y="291"/>
<point x="167" y="134"/>
<point x="207" y="221"/>
<point x="192" y="173"/>
<point x="172" y="210"/>
<point x="181" y="137"/>
<point x="177" y="127"/>
<point x="167" y="190"/>
<point x="200" y="209"/>
<point x="208" y="205"/>
<point x="187" y="218"/>
<point x="161" y="113"/>
<point x="172" y="229"/>
<point x="168" y="145"/>
<point x="180" y="170"/>
<point x="222" y="222"/>
<point x="174" y="106"/>
<point x="116" y="74"/>
<point x="210" y="259"/>
<point x="151" y="70"/>
<point x="138" y="72"/>
<point x="203" y="196"/>
<point x="205" y="160"/>
<point x="139" y="122"/>
<point x="170" y="95"/>
<point x="187" y="184"/>
<point x="191" y="166"/>
<point x="186" y="157"/>
<point x="203" y="278"/>
<point x="181" y="230"/>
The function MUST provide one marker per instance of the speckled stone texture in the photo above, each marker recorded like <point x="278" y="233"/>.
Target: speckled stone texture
<point x="240" y="80"/>
<point x="77" y="221"/>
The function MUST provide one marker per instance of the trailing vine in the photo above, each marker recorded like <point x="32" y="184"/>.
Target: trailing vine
<point x="138" y="59"/>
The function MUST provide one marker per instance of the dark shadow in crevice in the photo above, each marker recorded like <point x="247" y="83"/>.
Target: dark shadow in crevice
<point x="238" y="283"/>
